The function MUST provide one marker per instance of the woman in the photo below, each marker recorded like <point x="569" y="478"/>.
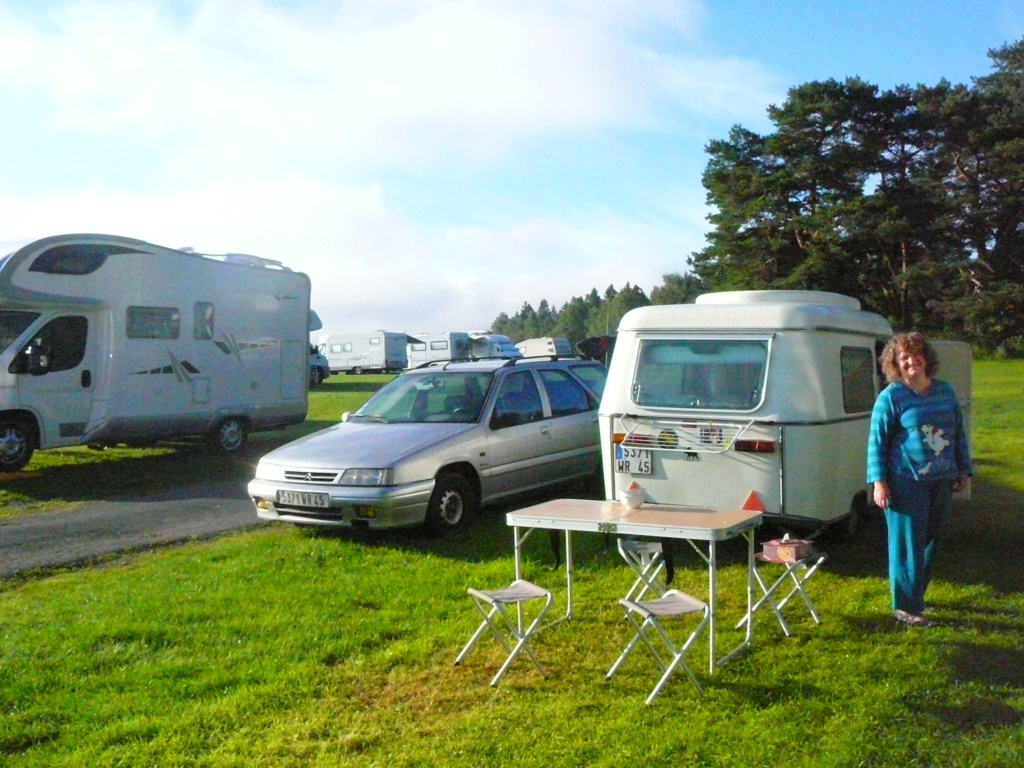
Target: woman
<point x="917" y="457"/>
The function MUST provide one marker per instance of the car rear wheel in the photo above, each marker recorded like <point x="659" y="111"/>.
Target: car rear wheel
<point x="452" y="503"/>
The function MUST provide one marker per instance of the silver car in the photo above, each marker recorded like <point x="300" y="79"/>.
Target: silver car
<point x="438" y="442"/>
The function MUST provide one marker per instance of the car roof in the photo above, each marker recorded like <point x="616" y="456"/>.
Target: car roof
<point x="493" y="364"/>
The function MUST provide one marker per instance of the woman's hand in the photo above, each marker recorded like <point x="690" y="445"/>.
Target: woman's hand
<point x="961" y="482"/>
<point x="881" y="494"/>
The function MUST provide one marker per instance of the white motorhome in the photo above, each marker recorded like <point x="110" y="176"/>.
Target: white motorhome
<point x="545" y="346"/>
<point x="370" y="352"/>
<point x="484" y="344"/>
<point x="107" y="340"/>
<point x="756" y="399"/>
<point x="425" y="347"/>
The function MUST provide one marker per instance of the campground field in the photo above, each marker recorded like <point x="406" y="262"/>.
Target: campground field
<point x="277" y="647"/>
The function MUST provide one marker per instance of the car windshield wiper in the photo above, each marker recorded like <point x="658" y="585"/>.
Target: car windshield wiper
<point x="372" y="417"/>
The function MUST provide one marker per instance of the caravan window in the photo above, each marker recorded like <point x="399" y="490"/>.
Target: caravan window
<point x="858" y="368"/>
<point x="439" y="345"/>
<point x="712" y="374"/>
<point x="61" y="343"/>
<point x="153" y="323"/>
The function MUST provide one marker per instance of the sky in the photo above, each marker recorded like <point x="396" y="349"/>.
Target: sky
<point x="428" y="163"/>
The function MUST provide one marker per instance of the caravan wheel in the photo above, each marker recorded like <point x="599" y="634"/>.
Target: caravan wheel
<point x="229" y="436"/>
<point x="17" y="443"/>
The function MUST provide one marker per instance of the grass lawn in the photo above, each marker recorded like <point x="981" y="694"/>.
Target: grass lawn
<point x="276" y="647"/>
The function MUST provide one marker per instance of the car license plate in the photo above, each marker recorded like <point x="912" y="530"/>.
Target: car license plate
<point x="632" y="461"/>
<point x="302" y="499"/>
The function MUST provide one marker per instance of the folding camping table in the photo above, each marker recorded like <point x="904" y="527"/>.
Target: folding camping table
<point x="658" y="521"/>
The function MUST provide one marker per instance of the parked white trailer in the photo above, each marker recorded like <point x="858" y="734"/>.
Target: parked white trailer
<point x="369" y="352"/>
<point x="487" y="345"/>
<point x="107" y="340"/>
<point x="756" y="399"/>
<point x="425" y="347"/>
<point x="544" y="346"/>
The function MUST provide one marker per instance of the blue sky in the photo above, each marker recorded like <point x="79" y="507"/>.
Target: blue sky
<point x="429" y="163"/>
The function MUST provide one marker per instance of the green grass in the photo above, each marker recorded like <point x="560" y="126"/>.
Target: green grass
<point x="274" y="647"/>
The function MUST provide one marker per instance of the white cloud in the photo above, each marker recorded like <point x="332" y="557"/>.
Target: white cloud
<point x="291" y="130"/>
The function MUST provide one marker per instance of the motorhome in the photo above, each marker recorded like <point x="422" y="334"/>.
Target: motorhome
<point x="425" y="347"/>
<point x="752" y="399"/>
<point x="108" y="340"/>
<point x="545" y="346"/>
<point x="370" y="352"/>
<point x="484" y="344"/>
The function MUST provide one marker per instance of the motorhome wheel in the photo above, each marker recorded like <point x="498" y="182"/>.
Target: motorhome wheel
<point x="452" y="503"/>
<point x="17" y="443"/>
<point x="229" y="436"/>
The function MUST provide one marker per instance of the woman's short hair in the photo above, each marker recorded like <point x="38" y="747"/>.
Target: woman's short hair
<point x="914" y="343"/>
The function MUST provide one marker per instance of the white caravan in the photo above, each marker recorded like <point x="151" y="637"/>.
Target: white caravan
<point x="545" y="346"/>
<point x="371" y="352"/>
<point x="755" y="399"/>
<point x="426" y="347"/>
<point x="485" y="345"/>
<point x="107" y="340"/>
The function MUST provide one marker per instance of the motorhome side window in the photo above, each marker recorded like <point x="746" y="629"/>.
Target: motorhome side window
<point x="57" y="346"/>
<point x="12" y="325"/>
<point x="153" y="323"/>
<point x="706" y="374"/>
<point x="202" y="327"/>
<point x="858" y="368"/>
<point x="439" y="345"/>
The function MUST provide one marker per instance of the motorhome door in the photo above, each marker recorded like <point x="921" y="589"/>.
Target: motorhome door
<point x="56" y="369"/>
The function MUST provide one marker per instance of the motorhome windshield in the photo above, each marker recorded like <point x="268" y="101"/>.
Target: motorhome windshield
<point x="12" y="325"/>
<point x="705" y="374"/>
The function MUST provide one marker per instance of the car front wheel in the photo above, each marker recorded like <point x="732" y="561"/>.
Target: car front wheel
<point x="452" y="503"/>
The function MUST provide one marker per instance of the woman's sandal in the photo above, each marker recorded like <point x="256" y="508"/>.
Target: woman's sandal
<point x="912" y="619"/>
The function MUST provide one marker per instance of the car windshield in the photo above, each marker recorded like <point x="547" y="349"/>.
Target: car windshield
<point x="438" y="396"/>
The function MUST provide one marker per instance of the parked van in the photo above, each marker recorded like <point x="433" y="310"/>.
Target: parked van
<point x="545" y="346"/>
<point x="107" y="340"/>
<point x="425" y="347"/>
<point x="490" y="345"/>
<point x="756" y="399"/>
<point x="371" y="352"/>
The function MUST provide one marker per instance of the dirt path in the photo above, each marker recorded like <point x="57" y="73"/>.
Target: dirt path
<point x="96" y="529"/>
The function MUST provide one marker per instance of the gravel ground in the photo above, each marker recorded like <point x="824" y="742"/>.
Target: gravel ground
<point x="98" y="529"/>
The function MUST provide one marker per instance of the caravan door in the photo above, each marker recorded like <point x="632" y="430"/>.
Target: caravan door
<point x="56" y="371"/>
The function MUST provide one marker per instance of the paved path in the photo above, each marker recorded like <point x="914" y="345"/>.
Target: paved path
<point x="95" y="529"/>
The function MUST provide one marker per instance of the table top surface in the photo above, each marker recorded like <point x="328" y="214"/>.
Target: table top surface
<point x="658" y="520"/>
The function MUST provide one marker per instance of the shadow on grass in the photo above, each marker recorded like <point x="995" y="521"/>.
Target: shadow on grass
<point x="340" y="383"/>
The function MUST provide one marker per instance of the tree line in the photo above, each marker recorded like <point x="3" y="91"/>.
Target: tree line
<point x="911" y="200"/>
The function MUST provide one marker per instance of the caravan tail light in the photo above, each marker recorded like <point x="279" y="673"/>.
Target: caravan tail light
<point x="618" y="437"/>
<point x="754" y="446"/>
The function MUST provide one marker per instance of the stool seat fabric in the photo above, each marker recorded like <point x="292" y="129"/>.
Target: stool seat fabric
<point x="510" y="632"/>
<point x="673" y="603"/>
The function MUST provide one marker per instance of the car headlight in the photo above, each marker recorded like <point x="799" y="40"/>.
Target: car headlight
<point x="366" y="477"/>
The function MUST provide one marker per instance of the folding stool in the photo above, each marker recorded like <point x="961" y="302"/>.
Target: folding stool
<point x="647" y="560"/>
<point x="672" y="603"/>
<point x="493" y="606"/>
<point x="808" y="564"/>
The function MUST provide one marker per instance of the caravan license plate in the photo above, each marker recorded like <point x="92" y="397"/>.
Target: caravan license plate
<point x="299" y="499"/>
<point x="632" y="461"/>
